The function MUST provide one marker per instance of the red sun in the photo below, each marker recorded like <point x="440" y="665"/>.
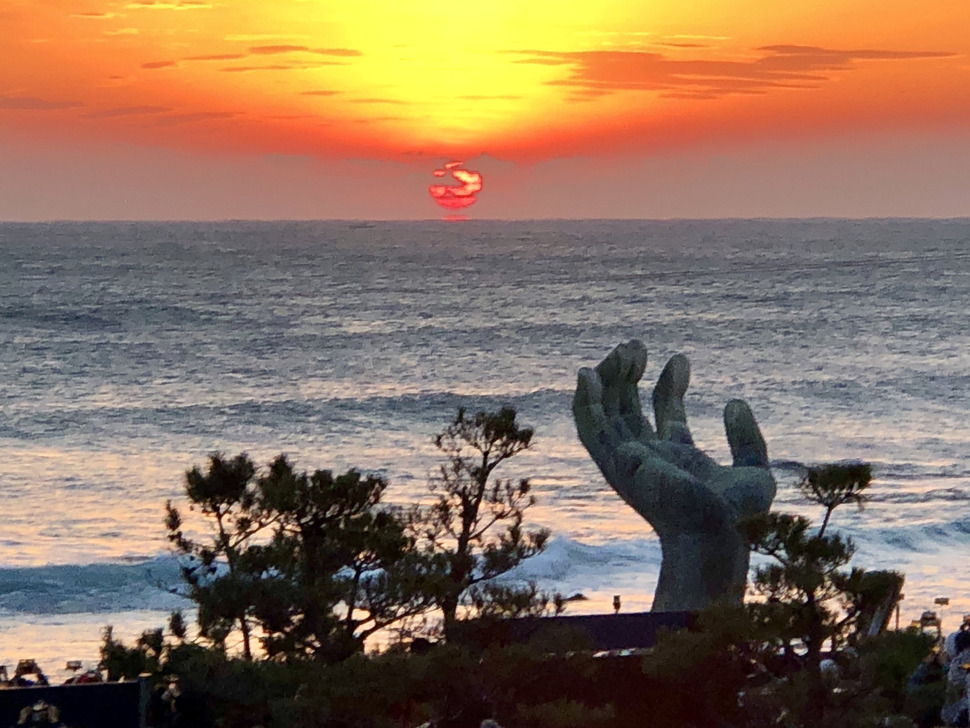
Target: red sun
<point x="456" y="197"/>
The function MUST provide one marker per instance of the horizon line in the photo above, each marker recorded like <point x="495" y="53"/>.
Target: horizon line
<point x="377" y="220"/>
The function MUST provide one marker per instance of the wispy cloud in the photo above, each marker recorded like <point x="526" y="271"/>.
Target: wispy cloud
<point x="377" y="119"/>
<point x="274" y="49"/>
<point x="268" y="67"/>
<point x="31" y="103"/>
<point x="127" y="111"/>
<point x="253" y="37"/>
<point x="196" y="117"/>
<point x="680" y="44"/>
<point x="776" y="66"/>
<point x="161" y="5"/>
<point x="95" y="16"/>
<point x="268" y="50"/>
<point x="380" y="101"/>
<point x="217" y="57"/>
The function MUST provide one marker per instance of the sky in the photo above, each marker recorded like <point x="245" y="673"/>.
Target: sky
<point x="318" y="109"/>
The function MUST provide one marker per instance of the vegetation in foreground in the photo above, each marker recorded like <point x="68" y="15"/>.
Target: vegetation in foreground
<point x="298" y="570"/>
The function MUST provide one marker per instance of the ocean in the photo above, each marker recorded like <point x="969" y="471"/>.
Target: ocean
<point x="131" y="351"/>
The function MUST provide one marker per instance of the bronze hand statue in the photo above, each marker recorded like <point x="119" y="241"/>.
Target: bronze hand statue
<point x="693" y="503"/>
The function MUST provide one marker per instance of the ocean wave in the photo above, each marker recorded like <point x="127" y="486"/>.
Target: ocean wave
<point x="567" y="561"/>
<point x="155" y="584"/>
<point x="566" y="565"/>
<point x="91" y="588"/>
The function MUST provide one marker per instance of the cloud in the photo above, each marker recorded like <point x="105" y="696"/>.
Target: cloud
<point x="282" y="49"/>
<point x="377" y="119"/>
<point x="251" y="37"/>
<point x="267" y="50"/>
<point x="322" y="92"/>
<point x="217" y="57"/>
<point x="672" y="44"/>
<point x="95" y="16"/>
<point x="380" y="101"/>
<point x="127" y="111"/>
<point x="274" y="49"/>
<point x="197" y="116"/>
<point x="269" y="67"/>
<point x="30" y="103"/>
<point x="160" y="5"/>
<point x="696" y="36"/>
<point x="776" y="66"/>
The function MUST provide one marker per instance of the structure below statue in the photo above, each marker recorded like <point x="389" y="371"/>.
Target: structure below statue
<point x="693" y="503"/>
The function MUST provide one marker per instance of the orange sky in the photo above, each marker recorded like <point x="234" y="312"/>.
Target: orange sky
<point x="182" y="108"/>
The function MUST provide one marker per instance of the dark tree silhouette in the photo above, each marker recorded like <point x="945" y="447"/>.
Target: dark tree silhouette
<point x="473" y="530"/>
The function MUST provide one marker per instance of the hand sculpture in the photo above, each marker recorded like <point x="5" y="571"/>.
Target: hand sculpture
<point x="693" y="503"/>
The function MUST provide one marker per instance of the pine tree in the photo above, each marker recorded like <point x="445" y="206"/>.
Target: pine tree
<point x="473" y="530"/>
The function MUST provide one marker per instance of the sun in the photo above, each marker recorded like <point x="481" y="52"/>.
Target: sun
<point x="457" y="196"/>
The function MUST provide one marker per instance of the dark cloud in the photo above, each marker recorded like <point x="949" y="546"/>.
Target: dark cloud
<point x="777" y="66"/>
<point x="127" y="111"/>
<point x="30" y="103"/>
<point x="158" y="64"/>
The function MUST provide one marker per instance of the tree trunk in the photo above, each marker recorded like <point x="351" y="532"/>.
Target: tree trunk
<point x="449" y="609"/>
<point x="247" y="649"/>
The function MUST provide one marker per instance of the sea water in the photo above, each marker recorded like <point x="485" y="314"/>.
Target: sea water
<point x="131" y="351"/>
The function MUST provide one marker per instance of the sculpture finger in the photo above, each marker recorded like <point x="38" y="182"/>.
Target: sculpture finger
<point x="748" y="447"/>
<point x="611" y="373"/>
<point x="620" y="373"/>
<point x="591" y="422"/>
<point x="668" y="401"/>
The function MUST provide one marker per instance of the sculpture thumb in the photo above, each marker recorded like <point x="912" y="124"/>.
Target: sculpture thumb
<point x="748" y="447"/>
